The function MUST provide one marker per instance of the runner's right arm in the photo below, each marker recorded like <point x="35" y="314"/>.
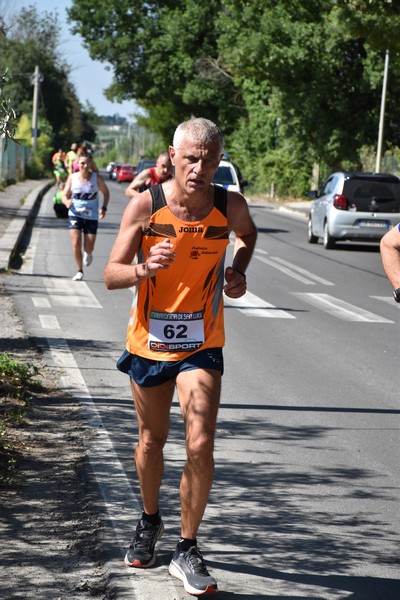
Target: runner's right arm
<point x="120" y="272"/>
<point x="140" y="180"/>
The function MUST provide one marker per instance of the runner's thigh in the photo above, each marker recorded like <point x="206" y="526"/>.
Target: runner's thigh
<point x="153" y="405"/>
<point x="199" y="393"/>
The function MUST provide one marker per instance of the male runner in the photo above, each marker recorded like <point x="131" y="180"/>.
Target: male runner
<point x="152" y="176"/>
<point x="179" y="232"/>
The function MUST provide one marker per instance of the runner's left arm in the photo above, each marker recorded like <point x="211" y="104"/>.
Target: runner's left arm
<point x="106" y="196"/>
<point x="241" y="223"/>
<point x="390" y="254"/>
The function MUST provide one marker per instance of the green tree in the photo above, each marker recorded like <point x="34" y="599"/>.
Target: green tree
<point x="290" y="82"/>
<point x="39" y="161"/>
<point x="8" y="123"/>
<point x="160" y="54"/>
<point x="33" y="39"/>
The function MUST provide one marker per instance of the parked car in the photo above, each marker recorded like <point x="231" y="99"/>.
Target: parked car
<point x="354" y="206"/>
<point x="114" y="172"/>
<point x="228" y="175"/>
<point x="126" y="172"/>
<point x="145" y="163"/>
<point x="110" y="168"/>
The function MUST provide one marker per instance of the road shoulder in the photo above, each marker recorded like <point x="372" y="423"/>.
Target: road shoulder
<point x="47" y="526"/>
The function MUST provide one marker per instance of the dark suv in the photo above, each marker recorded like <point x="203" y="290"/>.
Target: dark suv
<point x="145" y="163"/>
<point x="354" y="206"/>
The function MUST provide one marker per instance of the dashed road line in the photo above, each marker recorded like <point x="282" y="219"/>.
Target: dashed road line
<point x="40" y="302"/>
<point x="117" y="493"/>
<point x="316" y="278"/>
<point x="74" y="294"/>
<point x="292" y="270"/>
<point x="49" y="322"/>
<point x="253" y="306"/>
<point x="341" y="309"/>
<point x="388" y="300"/>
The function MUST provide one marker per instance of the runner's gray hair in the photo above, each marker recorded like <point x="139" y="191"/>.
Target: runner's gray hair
<point x="200" y="130"/>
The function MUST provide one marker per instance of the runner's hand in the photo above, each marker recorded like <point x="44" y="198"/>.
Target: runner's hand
<point x="160" y="256"/>
<point x="236" y="283"/>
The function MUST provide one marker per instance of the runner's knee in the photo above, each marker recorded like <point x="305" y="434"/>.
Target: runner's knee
<point x="200" y="449"/>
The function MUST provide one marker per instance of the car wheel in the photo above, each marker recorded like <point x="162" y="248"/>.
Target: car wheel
<point x="311" y="238"/>
<point x="329" y="241"/>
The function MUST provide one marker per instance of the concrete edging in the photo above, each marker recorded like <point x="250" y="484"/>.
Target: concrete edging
<point x="13" y="234"/>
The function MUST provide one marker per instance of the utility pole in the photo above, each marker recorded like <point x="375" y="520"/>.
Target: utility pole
<point x="382" y="115"/>
<point x="37" y="78"/>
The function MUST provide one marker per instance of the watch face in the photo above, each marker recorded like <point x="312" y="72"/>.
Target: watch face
<point x="396" y="295"/>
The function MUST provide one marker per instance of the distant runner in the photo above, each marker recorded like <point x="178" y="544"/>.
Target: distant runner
<point x="82" y="199"/>
<point x="152" y="176"/>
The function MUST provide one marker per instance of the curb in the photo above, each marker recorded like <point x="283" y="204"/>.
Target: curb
<point x="24" y="216"/>
<point x="301" y="210"/>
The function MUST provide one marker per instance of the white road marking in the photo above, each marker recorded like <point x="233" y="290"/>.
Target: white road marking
<point x="49" y="322"/>
<point x="290" y="269"/>
<point x="388" y="300"/>
<point x="65" y="292"/>
<point x="301" y="270"/>
<point x="284" y="269"/>
<point x="341" y="309"/>
<point x="253" y="306"/>
<point x="40" y="302"/>
<point x="119" y="498"/>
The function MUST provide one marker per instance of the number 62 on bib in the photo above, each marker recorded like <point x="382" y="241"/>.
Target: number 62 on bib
<point x="175" y="332"/>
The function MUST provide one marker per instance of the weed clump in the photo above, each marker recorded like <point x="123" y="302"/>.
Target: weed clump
<point x="18" y="380"/>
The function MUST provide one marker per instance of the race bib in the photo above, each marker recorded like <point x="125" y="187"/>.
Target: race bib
<point x="175" y="332"/>
<point x="86" y="213"/>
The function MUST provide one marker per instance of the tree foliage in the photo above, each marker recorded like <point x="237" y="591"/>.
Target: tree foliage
<point x="290" y="82"/>
<point x="33" y="39"/>
<point x="8" y="123"/>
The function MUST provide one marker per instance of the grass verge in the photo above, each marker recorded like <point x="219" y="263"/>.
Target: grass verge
<point x="18" y="381"/>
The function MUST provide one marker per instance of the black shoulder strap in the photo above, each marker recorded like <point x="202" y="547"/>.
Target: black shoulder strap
<point x="158" y="198"/>
<point x="220" y="198"/>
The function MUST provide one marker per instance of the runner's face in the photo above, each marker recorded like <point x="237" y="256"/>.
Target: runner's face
<point x="195" y="164"/>
<point x="164" y="168"/>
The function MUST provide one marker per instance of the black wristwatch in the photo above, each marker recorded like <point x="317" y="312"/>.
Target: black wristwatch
<point x="396" y="295"/>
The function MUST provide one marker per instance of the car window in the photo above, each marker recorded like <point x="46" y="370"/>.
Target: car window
<point x="224" y="176"/>
<point x="145" y="163"/>
<point x="329" y="186"/>
<point x="373" y="196"/>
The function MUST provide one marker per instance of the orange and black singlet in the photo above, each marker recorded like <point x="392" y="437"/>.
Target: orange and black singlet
<point x="180" y="310"/>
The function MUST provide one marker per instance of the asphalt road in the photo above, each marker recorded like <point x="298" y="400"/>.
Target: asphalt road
<point x="306" y="496"/>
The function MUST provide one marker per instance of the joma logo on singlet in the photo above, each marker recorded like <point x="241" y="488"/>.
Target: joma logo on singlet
<point x="191" y="230"/>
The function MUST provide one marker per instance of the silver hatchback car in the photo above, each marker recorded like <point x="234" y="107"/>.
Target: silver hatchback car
<point x="354" y="206"/>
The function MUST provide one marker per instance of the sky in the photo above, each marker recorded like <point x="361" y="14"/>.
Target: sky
<point x="89" y="77"/>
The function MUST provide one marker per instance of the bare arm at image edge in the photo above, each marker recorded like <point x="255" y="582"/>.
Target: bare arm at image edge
<point x="390" y="253"/>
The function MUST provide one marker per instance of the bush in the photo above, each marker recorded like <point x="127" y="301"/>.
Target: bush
<point x="17" y="381"/>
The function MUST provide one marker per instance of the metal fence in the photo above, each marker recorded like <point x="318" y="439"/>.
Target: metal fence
<point x="13" y="160"/>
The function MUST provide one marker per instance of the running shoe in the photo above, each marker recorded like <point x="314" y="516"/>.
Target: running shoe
<point x="141" y="553"/>
<point x="78" y="276"/>
<point x="87" y="259"/>
<point x="190" y="568"/>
